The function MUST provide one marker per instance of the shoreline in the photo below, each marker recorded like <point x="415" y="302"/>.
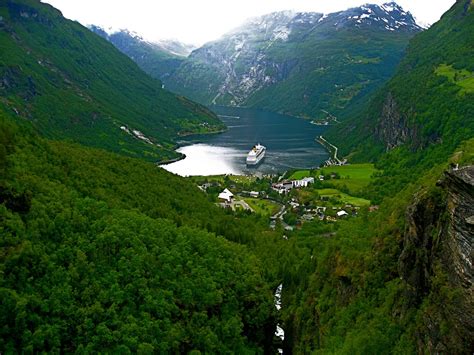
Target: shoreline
<point x="332" y="149"/>
<point x="171" y="161"/>
<point x="203" y="133"/>
<point x="184" y="144"/>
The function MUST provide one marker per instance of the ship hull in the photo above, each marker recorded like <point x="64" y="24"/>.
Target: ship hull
<point x="256" y="155"/>
<point x="255" y="162"/>
<point x="252" y="161"/>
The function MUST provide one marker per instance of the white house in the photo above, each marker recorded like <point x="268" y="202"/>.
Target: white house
<point x="226" y="196"/>
<point x="342" y="213"/>
<point x="303" y="182"/>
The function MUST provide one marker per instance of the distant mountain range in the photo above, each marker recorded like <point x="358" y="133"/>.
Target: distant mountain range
<point x="304" y="64"/>
<point x="157" y="58"/>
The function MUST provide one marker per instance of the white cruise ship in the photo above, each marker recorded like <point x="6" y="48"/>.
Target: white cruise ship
<point x="256" y="154"/>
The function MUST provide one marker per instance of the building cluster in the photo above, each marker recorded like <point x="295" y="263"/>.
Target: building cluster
<point x="322" y="213"/>
<point x="285" y="186"/>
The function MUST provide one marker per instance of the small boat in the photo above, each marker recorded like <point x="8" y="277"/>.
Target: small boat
<point x="256" y="154"/>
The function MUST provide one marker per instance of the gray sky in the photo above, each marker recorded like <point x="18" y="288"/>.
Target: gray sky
<point x="199" y="21"/>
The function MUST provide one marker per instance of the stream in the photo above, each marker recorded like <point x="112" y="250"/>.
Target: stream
<point x="279" y="332"/>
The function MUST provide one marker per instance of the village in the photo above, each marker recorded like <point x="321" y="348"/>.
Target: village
<point x="327" y="194"/>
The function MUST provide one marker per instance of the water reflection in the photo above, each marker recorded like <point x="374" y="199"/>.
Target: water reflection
<point x="290" y="144"/>
<point x="203" y="159"/>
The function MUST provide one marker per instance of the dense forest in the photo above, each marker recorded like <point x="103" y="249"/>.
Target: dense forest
<point x="101" y="252"/>
<point x="104" y="252"/>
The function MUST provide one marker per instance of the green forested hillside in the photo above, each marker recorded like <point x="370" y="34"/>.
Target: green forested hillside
<point x="382" y="284"/>
<point x="390" y="281"/>
<point x="72" y="84"/>
<point x="425" y="110"/>
<point x="105" y="253"/>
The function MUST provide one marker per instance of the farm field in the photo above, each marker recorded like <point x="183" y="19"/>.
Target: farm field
<point x="264" y="207"/>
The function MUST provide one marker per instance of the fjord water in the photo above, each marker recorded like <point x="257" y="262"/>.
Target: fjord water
<point x="290" y="144"/>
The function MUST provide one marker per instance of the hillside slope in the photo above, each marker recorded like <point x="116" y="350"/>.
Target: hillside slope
<point x="302" y="64"/>
<point x="104" y="253"/>
<point x="426" y="109"/>
<point x="70" y="83"/>
<point x="400" y="280"/>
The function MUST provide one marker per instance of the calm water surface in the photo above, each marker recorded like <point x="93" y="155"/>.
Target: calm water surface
<point x="290" y="144"/>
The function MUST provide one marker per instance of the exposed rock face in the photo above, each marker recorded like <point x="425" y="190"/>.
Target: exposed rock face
<point x="415" y="262"/>
<point x="460" y="186"/>
<point x="437" y="263"/>
<point x="393" y="129"/>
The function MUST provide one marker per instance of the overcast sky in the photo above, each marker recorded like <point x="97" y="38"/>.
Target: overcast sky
<point x="199" y="21"/>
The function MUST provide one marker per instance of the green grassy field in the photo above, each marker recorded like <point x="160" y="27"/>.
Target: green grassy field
<point x="462" y="78"/>
<point x="299" y="174"/>
<point x="344" y="198"/>
<point x="264" y="207"/>
<point x="354" y="176"/>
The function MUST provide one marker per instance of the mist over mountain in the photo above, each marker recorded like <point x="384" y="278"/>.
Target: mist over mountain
<point x="158" y="58"/>
<point x="299" y="63"/>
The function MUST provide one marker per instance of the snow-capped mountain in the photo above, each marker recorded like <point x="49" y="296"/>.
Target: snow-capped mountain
<point x="389" y="16"/>
<point x="345" y="52"/>
<point x="169" y="46"/>
<point x="157" y="58"/>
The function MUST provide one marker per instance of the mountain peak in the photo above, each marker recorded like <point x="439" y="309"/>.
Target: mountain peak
<point x="129" y="38"/>
<point x="388" y="17"/>
<point x="391" y="6"/>
<point x="279" y="25"/>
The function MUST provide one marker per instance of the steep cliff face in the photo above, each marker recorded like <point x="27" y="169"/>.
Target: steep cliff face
<point x="393" y="129"/>
<point x="437" y="264"/>
<point x="460" y="185"/>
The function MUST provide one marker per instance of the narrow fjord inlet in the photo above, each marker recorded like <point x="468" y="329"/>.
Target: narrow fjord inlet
<point x="202" y="177"/>
<point x="290" y="144"/>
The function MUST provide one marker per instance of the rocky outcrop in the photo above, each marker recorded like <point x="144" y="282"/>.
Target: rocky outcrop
<point x="393" y="129"/>
<point x="460" y="233"/>
<point x="437" y="263"/>
<point x="416" y="259"/>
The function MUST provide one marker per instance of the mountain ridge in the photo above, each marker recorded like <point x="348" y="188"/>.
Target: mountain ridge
<point x="269" y="55"/>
